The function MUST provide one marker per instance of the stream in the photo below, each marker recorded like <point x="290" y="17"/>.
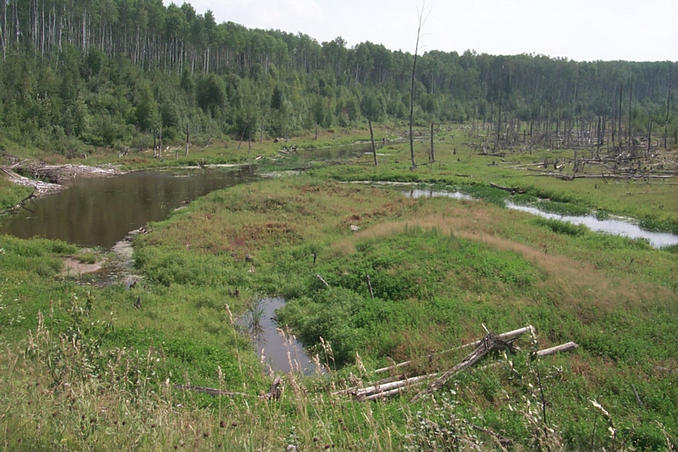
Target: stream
<point x="616" y="225"/>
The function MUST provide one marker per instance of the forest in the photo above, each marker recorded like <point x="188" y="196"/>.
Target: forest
<point x="120" y="74"/>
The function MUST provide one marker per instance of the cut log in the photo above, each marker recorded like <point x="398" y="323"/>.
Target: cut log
<point x="362" y="392"/>
<point x="391" y="392"/>
<point x="322" y="280"/>
<point x="392" y="386"/>
<point x="566" y="347"/>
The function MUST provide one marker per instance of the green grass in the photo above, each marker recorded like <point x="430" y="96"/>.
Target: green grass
<point x="561" y="227"/>
<point x="82" y="368"/>
<point x="11" y="194"/>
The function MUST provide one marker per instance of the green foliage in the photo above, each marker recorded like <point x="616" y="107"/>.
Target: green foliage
<point x="11" y="194"/>
<point x="561" y="208"/>
<point x="561" y="227"/>
<point x="210" y="94"/>
<point x="414" y="265"/>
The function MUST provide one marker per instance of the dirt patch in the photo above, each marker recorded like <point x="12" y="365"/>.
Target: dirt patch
<point x="73" y="267"/>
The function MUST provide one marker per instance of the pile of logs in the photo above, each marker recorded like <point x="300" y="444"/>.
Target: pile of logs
<point x="396" y="384"/>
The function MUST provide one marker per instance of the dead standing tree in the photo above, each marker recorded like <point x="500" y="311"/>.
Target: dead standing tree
<point x="421" y="22"/>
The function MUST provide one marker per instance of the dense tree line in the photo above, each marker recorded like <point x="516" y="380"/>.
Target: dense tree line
<point x="123" y="73"/>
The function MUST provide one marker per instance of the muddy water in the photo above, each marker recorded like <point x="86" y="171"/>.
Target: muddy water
<point x="281" y="352"/>
<point x="101" y="211"/>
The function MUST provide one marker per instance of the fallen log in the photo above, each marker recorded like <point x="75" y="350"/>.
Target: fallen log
<point x="509" y="335"/>
<point x="363" y="392"/>
<point x="389" y="387"/>
<point x="392" y="392"/>
<point x="512" y="190"/>
<point x="39" y="188"/>
<point x="487" y="344"/>
<point x="322" y="280"/>
<point x="566" y="347"/>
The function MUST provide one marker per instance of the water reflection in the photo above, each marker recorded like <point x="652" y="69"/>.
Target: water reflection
<point x="283" y="353"/>
<point x="610" y="226"/>
<point x="100" y="211"/>
<point x="614" y="226"/>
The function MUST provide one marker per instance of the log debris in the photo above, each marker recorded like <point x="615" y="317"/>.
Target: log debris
<point x="396" y="384"/>
<point x="322" y="280"/>
<point x="487" y="344"/>
<point x="512" y="190"/>
<point x="509" y="335"/>
<point x="566" y="347"/>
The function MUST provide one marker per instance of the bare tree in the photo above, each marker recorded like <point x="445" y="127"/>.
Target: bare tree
<point x="187" y="131"/>
<point x="374" y="148"/>
<point x="421" y="22"/>
<point x="432" y="156"/>
<point x="3" y="32"/>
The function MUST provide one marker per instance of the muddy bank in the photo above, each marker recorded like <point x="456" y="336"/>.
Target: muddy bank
<point x="115" y="266"/>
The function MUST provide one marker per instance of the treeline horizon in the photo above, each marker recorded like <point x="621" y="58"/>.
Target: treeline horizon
<point x="123" y="73"/>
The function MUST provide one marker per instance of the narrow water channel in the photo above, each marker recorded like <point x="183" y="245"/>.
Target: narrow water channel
<point x="614" y="226"/>
<point x="281" y="352"/>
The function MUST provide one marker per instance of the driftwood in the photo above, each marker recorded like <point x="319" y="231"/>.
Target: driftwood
<point x="20" y="204"/>
<point x="274" y="392"/>
<point x="509" y="335"/>
<point x="39" y="187"/>
<point x="394" y="385"/>
<point x="603" y="176"/>
<point x="487" y="344"/>
<point x="385" y="389"/>
<point x="322" y="280"/>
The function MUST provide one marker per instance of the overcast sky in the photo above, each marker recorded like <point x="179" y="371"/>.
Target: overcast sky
<point x="582" y="30"/>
